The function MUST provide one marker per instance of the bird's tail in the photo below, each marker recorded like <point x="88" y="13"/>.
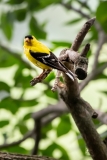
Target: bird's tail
<point x="67" y="71"/>
<point x="70" y="74"/>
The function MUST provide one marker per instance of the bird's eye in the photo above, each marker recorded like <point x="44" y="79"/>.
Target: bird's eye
<point x="29" y="36"/>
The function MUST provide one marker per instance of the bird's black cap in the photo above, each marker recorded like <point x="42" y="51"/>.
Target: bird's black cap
<point x="29" y="36"/>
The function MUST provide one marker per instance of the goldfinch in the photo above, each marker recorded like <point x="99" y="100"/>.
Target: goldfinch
<point x="42" y="57"/>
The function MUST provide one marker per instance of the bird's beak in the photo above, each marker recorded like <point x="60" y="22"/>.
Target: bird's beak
<point x="27" y="40"/>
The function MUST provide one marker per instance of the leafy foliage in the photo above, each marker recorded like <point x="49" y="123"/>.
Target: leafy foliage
<point x="18" y="100"/>
<point x="102" y="14"/>
<point x="64" y="126"/>
<point x="7" y="24"/>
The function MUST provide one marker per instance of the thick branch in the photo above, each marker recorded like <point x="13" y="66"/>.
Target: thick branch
<point x="82" y="119"/>
<point x="10" y="156"/>
<point x="70" y="94"/>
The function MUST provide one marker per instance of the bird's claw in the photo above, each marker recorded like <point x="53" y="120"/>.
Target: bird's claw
<point x="40" y="78"/>
<point x="35" y="81"/>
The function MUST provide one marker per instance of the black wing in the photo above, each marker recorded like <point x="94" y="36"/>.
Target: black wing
<point x="48" y="59"/>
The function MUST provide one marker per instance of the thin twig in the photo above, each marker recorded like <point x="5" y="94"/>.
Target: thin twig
<point x="70" y="7"/>
<point x="37" y="136"/>
<point x="27" y="135"/>
<point x="102" y="116"/>
<point x="85" y="50"/>
<point x="80" y="36"/>
<point x="84" y="4"/>
<point x="58" y="108"/>
<point x="101" y="41"/>
<point x="31" y="133"/>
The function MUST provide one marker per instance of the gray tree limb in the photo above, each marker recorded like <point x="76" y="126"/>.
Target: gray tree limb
<point x="70" y="94"/>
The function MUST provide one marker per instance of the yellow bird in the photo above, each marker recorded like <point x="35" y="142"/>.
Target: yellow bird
<point x="42" y="57"/>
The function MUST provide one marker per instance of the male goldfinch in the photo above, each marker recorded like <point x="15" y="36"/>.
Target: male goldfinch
<point x="42" y="57"/>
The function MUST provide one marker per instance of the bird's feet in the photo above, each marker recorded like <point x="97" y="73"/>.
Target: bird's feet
<point x="40" y="78"/>
<point x="35" y="81"/>
<point x="57" y="83"/>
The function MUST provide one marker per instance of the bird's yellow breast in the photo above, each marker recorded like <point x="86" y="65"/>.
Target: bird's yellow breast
<point x="33" y="60"/>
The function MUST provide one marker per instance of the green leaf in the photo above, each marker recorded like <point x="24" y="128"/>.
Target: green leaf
<point x="51" y="94"/>
<point x="20" y="14"/>
<point x="20" y="79"/>
<point x="4" y="86"/>
<point x="7" y="24"/>
<point x="36" y="29"/>
<point x="22" y="127"/>
<point x="63" y="151"/>
<point x="89" y="54"/>
<point x="51" y="148"/>
<point x="3" y="123"/>
<point x="73" y="21"/>
<point x="6" y="59"/>
<point x="27" y="116"/>
<point x="48" y="2"/>
<point x="46" y="129"/>
<point x="61" y="44"/>
<point x="10" y="105"/>
<point x="94" y="34"/>
<point x="101" y="63"/>
<point x="97" y="123"/>
<point x="81" y="144"/>
<point x="104" y="92"/>
<point x="101" y="14"/>
<point x="64" y="126"/>
<point x="50" y="77"/>
<point x="16" y="149"/>
<point x="40" y="4"/>
<point x="28" y="103"/>
<point x="100" y="76"/>
<point x="35" y="6"/>
<point x="14" y="2"/>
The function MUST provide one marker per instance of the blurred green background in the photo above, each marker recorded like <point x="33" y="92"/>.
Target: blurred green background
<point x="56" y="24"/>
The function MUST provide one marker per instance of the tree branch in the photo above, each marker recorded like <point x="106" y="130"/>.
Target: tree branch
<point x="80" y="113"/>
<point x="101" y="40"/>
<point x="80" y="36"/>
<point x="83" y="120"/>
<point x="70" y="7"/>
<point x="46" y="120"/>
<point x="27" y="135"/>
<point x="58" y="108"/>
<point x="102" y="117"/>
<point x="10" y="156"/>
<point x="37" y="136"/>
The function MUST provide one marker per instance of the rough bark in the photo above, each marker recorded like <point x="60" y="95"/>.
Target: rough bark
<point x="70" y="94"/>
<point x="10" y="156"/>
